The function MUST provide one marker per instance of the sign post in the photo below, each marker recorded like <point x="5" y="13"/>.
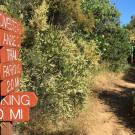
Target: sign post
<point x="14" y="105"/>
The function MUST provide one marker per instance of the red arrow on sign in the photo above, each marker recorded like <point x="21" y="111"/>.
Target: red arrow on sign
<point x="8" y="54"/>
<point x="9" y="85"/>
<point x="16" y="114"/>
<point x="28" y="99"/>
<point x="10" y="69"/>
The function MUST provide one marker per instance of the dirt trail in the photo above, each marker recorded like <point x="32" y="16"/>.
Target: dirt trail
<point x="110" y="113"/>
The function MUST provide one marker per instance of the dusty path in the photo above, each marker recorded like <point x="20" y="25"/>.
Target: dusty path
<point x="110" y="113"/>
<point x="109" y="110"/>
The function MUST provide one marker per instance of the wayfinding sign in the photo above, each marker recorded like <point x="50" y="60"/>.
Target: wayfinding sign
<point x="14" y="105"/>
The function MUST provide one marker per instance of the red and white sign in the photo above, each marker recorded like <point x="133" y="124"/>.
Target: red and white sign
<point x="28" y="99"/>
<point x="10" y="24"/>
<point x="8" y="54"/>
<point x="14" y="106"/>
<point x="16" y="114"/>
<point x="10" y="69"/>
<point x="9" y="85"/>
<point x="9" y="39"/>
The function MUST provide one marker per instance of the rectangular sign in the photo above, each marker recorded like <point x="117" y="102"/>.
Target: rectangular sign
<point x="16" y="99"/>
<point x="16" y="114"/>
<point x="10" y="69"/>
<point x="9" y="39"/>
<point x="10" y="24"/>
<point x="8" y="54"/>
<point x="9" y="85"/>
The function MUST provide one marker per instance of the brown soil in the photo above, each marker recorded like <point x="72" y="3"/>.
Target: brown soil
<point x="110" y="109"/>
<point x="110" y="112"/>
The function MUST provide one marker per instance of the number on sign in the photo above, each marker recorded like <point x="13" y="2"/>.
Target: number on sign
<point x="9" y="85"/>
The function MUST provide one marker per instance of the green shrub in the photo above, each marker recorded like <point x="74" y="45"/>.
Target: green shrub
<point x="118" y="49"/>
<point x="58" y="70"/>
<point x="112" y="40"/>
<point x="55" y="66"/>
<point x="63" y="12"/>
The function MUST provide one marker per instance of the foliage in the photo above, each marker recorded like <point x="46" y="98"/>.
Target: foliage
<point x="39" y="19"/>
<point x="61" y="12"/>
<point x="55" y="66"/>
<point x="113" y="41"/>
<point x="131" y="29"/>
<point x="58" y="71"/>
<point x="3" y="8"/>
<point x="105" y="14"/>
<point x="131" y="24"/>
<point x="118" y="57"/>
<point x="62" y="44"/>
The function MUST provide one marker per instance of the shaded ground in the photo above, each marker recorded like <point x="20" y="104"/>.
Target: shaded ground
<point x="111" y="111"/>
<point x="129" y="76"/>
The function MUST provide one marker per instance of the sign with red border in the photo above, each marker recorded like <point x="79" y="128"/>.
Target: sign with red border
<point x="14" y="106"/>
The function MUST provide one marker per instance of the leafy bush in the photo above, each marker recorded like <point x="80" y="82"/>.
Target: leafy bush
<point x="55" y="65"/>
<point x="112" y="40"/>
<point x="62" y="12"/>
<point x="59" y="52"/>
<point x="58" y="71"/>
<point x="118" y="49"/>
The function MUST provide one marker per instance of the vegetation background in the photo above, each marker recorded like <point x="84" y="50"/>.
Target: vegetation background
<point x="64" y="45"/>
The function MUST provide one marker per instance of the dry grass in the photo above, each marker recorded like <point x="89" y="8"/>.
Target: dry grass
<point x="98" y="118"/>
